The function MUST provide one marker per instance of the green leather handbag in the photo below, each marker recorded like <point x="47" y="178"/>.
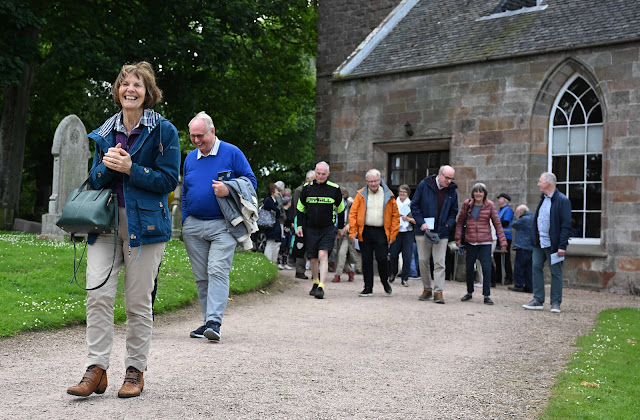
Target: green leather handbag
<point x="88" y="211"/>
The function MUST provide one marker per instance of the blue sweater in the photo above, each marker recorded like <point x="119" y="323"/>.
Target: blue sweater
<point x="198" y="198"/>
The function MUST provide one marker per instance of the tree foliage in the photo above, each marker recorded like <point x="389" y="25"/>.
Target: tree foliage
<point x="248" y="63"/>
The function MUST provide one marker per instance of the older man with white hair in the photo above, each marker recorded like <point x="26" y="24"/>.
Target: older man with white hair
<point x="434" y="207"/>
<point x="374" y="220"/>
<point x="319" y="207"/>
<point x="550" y="237"/>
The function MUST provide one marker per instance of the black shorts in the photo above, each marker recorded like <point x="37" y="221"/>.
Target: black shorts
<point x="319" y="238"/>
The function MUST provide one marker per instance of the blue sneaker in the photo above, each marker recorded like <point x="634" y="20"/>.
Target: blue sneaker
<point x="198" y="332"/>
<point x="212" y="331"/>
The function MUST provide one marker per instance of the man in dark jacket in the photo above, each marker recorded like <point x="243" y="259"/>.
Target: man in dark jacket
<point x="550" y="237"/>
<point x="434" y="207"/>
<point x="318" y="209"/>
<point x="522" y="245"/>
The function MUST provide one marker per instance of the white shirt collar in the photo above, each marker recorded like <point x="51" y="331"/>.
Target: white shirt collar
<point x="213" y="151"/>
<point x="438" y="183"/>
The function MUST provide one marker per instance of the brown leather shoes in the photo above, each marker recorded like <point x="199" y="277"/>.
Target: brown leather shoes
<point x="426" y="295"/>
<point x="94" y="380"/>
<point x="133" y="383"/>
<point x="336" y="279"/>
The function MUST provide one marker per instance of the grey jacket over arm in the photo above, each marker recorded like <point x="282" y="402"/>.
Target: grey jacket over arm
<point x="240" y="209"/>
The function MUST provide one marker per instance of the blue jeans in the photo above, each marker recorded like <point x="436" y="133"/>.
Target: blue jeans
<point x="413" y="269"/>
<point x="210" y="246"/>
<point x="522" y="269"/>
<point x="482" y="253"/>
<point x="403" y="243"/>
<point x="540" y="255"/>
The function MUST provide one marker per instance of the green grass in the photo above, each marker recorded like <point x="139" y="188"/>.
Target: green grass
<point x="602" y="380"/>
<point x="35" y="293"/>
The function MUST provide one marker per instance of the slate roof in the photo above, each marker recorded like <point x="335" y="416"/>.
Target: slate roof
<point x="446" y="32"/>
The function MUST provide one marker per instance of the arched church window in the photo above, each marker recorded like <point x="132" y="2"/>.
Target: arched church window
<point x="575" y="156"/>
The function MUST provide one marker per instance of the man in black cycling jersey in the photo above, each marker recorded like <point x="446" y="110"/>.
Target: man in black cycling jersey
<point x="319" y="207"/>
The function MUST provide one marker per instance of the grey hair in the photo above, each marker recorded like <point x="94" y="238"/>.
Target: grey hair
<point x="203" y="116"/>
<point x="404" y="187"/>
<point x="311" y="174"/>
<point x="479" y="186"/>
<point x="323" y="163"/>
<point x="280" y="185"/>
<point x="443" y="167"/>
<point x="549" y="177"/>
<point x="372" y="172"/>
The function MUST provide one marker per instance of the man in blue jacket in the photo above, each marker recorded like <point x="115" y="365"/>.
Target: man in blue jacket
<point x="435" y="207"/>
<point x="550" y="237"/>
<point x="522" y="245"/>
<point x="503" y="259"/>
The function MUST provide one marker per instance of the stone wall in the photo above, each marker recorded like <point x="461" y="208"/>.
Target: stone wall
<point x="342" y="26"/>
<point x="495" y="116"/>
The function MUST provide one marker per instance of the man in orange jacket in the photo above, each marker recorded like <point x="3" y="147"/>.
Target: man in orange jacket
<point x="374" y="220"/>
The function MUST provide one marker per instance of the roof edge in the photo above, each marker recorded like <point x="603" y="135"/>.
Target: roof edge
<point x="374" y="38"/>
<point x="487" y="59"/>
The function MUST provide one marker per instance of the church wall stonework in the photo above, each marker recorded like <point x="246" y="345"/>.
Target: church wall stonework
<point x="495" y="116"/>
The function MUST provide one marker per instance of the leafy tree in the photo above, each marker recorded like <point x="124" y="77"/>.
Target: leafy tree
<point x="245" y="62"/>
<point x="17" y="60"/>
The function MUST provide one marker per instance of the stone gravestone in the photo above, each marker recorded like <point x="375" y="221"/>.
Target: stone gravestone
<point x="176" y="210"/>
<point x="71" y="154"/>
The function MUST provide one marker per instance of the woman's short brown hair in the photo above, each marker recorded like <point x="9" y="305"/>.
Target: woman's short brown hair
<point x="145" y="72"/>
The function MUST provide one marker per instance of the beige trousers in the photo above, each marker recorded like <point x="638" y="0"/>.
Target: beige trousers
<point x="439" y="252"/>
<point x="141" y="268"/>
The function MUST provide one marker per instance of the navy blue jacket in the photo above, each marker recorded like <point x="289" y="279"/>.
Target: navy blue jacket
<point x="560" y="215"/>
<point x="155" y="168"/>
<point x="523" y="226"/>
<point x="274" y="233"/>
<point x="425" y="204"/>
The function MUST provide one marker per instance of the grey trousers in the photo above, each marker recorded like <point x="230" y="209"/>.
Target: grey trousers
<point x="210" y="246"/>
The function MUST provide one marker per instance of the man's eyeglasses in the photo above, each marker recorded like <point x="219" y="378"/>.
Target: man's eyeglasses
<point x="197" y="136"/>
<point x="448" y="178"/>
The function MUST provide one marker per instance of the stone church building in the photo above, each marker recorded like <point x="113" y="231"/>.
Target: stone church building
<point x="501" y="90"/>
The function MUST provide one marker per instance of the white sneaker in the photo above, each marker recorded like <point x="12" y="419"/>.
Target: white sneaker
<point x="280" y="267"/>
<point x="477" y="285"/>
<point x="286" y="267"/>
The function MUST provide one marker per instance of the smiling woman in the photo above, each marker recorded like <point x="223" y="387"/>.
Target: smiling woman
<point x="137" y="156"/>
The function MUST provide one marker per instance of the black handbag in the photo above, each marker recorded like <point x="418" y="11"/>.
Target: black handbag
<point x="266" y="218"/>
<point x="89" y="212"/>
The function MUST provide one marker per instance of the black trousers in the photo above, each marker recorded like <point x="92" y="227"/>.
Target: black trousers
<point x="374" y="242"/>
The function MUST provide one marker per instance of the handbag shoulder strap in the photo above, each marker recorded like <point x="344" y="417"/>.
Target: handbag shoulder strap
<point x="115" y="249"/>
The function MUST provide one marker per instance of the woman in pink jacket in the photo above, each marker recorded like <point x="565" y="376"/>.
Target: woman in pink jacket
<point x="473" y="227"/>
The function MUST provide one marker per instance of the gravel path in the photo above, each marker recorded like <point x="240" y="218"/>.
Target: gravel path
<point x="286" y="355"/>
